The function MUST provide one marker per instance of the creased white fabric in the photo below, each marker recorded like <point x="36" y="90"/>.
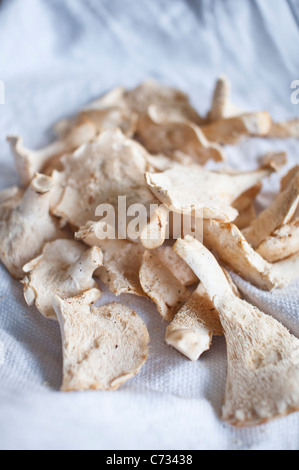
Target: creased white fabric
<point x="54" y="57"/>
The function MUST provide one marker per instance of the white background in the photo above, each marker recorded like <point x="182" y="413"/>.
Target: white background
<point x="54" y="57"/>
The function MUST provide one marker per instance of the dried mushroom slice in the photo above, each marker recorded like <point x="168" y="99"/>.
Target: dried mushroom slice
<point x="162" y="286"/>
<point x="279" y="213"/>
<point x="26" y="225"/>
<point x="65" y="268"/>
<point x="222" y="107"/>
<point x="100" y="172"/>
<point x="263" y="357"/>
<point x="284" y="130"/>
<point x="28" y="162"/>
<point x="121" y="261"/>
<point x="235" y="251"/>
<point x="177" y="266"/>
<point x="283" y="242"/>
<point x="230" y="131"/>
<point x="102" y="347"/>
<point x="167" y="136"/>
<point x="193" y="327"/>
<point x="275" y="160"/>
<point x="201" y="193"/>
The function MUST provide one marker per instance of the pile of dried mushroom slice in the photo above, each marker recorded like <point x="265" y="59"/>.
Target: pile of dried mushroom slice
<point x="150" y="147"/>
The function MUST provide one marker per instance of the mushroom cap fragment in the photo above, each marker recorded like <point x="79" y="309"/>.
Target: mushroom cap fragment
<point x="177" y="266"/>
<point x="27" y="225"/>
<point x="102" y="347"/>
<point x="235" y="251"/>
<point x="161" y="135"/>
<point x="221" y="105"/>
<point x="201" y="193"/>
<point x="99" y="173"/>
<point x="284" y="130"/>
<point x="279" y="213"/>
<point x="231" y="130"/>
<point x="28" y="162"/>
<point x="162" y="286"/>
<point x="121" y="261"/>
<point x="284" y="242"/>
<point x="65" y="268"/>
<point x="263" y="357"/>
<point x="193" y="326"/>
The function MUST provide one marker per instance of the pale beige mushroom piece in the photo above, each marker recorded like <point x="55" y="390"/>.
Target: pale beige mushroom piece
<point x="263" y="365"/>
<point x="275" y="160"/>
<point x="198" y="192"/>
<point x="281" y="244"/>
<point x="27" y="225"/>
<point x="284" y="130"/>
<point x="173" y="101"/>
<point x="231" y="246"/>
<point x="222" y="107"/>
<point x="9" y="198"/>
<point x="177" y="266"/>
<point x="28" y="162"/>
<point x="166" y="136"/>
<point x="153" y="235"/>
<point x="245" y="217"/>
<point x="65" y="268"/>
<point x="230" y="131"/>
<point x="161" y="162"/>
<point x="245" y="207"/>
<point x="100" y="172"/>
<point x="193" y="327"/>
<point x="122" y="261"/>
<point x="288" y="269"/>
<point x="286" y="180"/>
<point x="279" y="213"/>
<point x="160" y="285"/>
<point x="102" y="347"/>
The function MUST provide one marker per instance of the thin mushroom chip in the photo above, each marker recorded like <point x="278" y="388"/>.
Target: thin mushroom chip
<point x="166" y="136"/>
<point x="121" y="261"/>
<point x="222" y="107"/>
<point x="193" y="326"/>
<point x="201" y="193"/>
<point x="263" y="366"/>
<point x="230" y="131"/>
<point x="284" y="242"/>
<point x="177" y="266"/>
<point x="275" y="160"/>
<point x="284" y="130"/>
<point x="102" y="347"/>
<point x="26" y="225"/>
<point x="162" y="286"/>
<point x="100" y="172"/>
<point x="65" y="268"/>
<point x="28" y="162"/>
<point x="235" y="251"/>
<point x="277" y="214"/>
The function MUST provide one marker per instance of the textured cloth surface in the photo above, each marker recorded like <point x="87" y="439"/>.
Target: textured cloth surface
<point x="54" y="57"/>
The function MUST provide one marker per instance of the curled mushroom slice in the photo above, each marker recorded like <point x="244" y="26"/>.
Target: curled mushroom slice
<point x="201" y="193"/>
<point x="230" y="131"/>
<point x="64" y="268"/>
<point x="162" y="286"/>
<point x="263" y="365"/>
<point x="121" y="261"/>
<point x="177" y="266"/>
<point x="221" y="104"/>
<point x="283" y="242"/>
<point x="193" y="326"/>
<point x="27" y="225"/>
<point x="161" y="135"/>
<point x="29" y="162"/>
<point x="280" y="212"/>
<point x="284" y="130"/>
<point x="235" y="251"/>
<point x="152" y="93"/>
<point x="275" y="160"/>
<point x="10" y="198"/>
<point x="100" y="172"/>
<point x="102" y="347"/>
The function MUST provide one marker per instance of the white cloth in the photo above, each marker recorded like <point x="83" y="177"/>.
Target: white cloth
<point x="57" y="55"/>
